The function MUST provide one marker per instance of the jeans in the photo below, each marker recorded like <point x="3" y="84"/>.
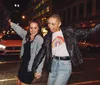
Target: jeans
<point x="60" y="72"/>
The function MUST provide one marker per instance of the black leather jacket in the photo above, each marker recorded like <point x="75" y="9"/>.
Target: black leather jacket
<point x="71" y="36"/>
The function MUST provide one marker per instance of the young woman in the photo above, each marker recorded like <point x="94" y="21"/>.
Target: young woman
<point x="31" y="44"/>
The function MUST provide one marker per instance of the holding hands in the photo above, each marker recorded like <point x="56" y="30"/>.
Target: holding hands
<point x="37" y="75"/>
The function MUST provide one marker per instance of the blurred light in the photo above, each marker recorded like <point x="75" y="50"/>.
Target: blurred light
<point x="8" y="32"/>
<point x="93" y="24"/>
<point x="6" y="80"/>
<point x="90" y="21"/>
<point x="23" y="17"/>
<point x="83" y="25"/>
<point x="16" y="5"/>
<point x="4" y="32"/>
<point x="44" y="18"/>
<point x="81" y="22"/>
<point x="12" y="31"/>
<point x="44" y="31"/>
<point x="2" y="47"/>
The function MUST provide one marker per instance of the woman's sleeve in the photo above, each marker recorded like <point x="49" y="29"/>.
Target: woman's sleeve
<point x="19" y="30"/>
<point x="39" y="69"/>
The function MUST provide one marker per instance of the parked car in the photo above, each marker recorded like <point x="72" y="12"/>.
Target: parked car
<point x="10" y="44"/>
<point x="89" y="45"/>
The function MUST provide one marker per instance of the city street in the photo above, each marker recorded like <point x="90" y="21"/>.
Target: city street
<point x="67" y="23"/>
<point x="86" y="74"/>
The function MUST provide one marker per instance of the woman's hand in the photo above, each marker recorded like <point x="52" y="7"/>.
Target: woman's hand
<point x="10" y="21"/>
<point x="37" y="75"/>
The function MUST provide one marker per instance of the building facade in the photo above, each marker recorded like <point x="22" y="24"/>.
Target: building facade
<point x="39" y="9"/>
<point x="78" y="13"/>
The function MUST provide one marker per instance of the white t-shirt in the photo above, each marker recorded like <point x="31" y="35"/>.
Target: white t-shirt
<point x="58" y="44"/>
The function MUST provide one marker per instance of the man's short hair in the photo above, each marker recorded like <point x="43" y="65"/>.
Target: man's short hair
<point x="57" y="16"/>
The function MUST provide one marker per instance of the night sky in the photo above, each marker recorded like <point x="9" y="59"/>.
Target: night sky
<point x="9" y="4"/>
<point x="7" y="10"/>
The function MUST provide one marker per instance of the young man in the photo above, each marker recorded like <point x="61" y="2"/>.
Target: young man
<point x="60" y="48"/>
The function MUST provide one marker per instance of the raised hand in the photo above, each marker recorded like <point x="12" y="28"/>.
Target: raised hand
<point x="10" y="21"/>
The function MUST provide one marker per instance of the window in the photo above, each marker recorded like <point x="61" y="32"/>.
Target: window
<point x="64" y="17"/>
<point x="98" y="6"/>
<point x="69" y="14"/>
<point x="81" y="10"/>
<point x="89" y="7"/>
<point x="74" y="13"/>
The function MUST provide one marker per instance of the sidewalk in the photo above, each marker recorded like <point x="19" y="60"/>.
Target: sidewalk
<point x="96" y="82"/>
<point x="85" y="78"/>
<point x="77" y="78"/>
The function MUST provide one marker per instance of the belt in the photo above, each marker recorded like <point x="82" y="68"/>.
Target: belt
<point x="61" y="58"/>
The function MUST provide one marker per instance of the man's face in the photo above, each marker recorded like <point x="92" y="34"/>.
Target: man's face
<point x="54" y="24"/>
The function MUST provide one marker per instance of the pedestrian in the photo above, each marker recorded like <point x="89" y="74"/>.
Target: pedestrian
<point x="31" y="44"/>
<point x="61" y="50"/>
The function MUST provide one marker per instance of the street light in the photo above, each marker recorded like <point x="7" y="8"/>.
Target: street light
<point x="23" y="17"/>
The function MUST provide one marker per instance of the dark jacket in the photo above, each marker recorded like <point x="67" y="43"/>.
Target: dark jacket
<point x="71" y="36"/>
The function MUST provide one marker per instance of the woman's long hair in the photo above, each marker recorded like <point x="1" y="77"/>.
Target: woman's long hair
<point x="39" y="31"/>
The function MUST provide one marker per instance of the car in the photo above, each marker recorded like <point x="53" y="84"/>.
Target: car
<point x="10" y="44"/>
<point x="88" y="45"/>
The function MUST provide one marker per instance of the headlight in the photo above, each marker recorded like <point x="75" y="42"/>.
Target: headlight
<point x="2" y="47"/>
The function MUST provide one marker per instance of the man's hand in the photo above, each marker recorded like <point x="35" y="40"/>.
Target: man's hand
<point x="37" y="75"/>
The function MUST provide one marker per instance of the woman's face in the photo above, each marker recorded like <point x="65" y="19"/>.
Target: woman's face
<point x="33" y="28"/>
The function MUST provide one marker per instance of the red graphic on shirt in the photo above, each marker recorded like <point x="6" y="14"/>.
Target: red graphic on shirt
<point x="57" y="41"/>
